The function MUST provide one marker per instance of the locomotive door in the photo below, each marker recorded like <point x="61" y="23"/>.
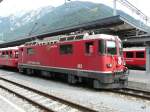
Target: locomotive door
<point x="89" y="58"/>
<point x="51" y="55"/>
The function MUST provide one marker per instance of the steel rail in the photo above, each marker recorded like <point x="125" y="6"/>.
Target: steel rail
<point x="134" y="92"/>
<point x="27" y="99"/>
<point x="63" y="101"/>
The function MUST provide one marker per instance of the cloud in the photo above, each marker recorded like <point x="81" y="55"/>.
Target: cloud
<point x="8" y="7"/>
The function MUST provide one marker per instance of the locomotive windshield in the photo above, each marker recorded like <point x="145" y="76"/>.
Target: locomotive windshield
<point x="111" y="47"/>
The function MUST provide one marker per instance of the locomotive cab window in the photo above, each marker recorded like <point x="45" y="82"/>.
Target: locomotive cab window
<point x="111" y="47"/>
<point x="30" y="51"/>
<point x="66" y="49"/>
<point x="89" y="47"/>
<point x="139" y="54"/>
<point x="129" y="54"/>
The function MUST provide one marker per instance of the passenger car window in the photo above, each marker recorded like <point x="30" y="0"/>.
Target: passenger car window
<point x="66" y="49"/>
<point x="129" y="54"/>
<point x="139" y="54"/>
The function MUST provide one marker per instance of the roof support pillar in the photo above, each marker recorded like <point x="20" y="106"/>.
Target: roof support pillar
<point x="148" y="58"/>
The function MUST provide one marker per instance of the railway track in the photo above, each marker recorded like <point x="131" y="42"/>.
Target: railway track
<point x="134" y="92"/>
<point x="46" y="102"/>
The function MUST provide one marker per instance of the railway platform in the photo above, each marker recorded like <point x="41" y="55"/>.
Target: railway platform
<point x="139" y="79"/>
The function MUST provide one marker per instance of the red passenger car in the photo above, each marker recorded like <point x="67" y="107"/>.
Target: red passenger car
<point x="94" y="57"/>
<point x="135" y="57"/>
<point x="9" y="57"/>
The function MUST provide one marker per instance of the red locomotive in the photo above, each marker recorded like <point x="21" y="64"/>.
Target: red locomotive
<point x="77" y="57"/>
<point x="135" y="57"/>
<point x="9" y="57"/>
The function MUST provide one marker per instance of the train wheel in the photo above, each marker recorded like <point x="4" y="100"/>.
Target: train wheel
<point x="71" y="79"/>
<point x="29" y="71"/>
<point x="46" y="74"/>
<point x="21" y="70"/>
<point x="97" y="84"/>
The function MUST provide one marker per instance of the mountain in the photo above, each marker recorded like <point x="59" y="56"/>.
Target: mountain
<point x="10" y="24"/>
<point x="50" y="18"/>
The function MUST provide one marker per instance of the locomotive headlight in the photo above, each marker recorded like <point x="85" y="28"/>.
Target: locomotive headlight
<point x="109" y="65"/>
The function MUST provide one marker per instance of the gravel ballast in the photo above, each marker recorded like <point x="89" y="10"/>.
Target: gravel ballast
<point x="96" y="99"/>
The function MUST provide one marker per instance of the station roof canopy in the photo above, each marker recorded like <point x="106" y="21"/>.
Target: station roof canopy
<point x="114" y="25"/>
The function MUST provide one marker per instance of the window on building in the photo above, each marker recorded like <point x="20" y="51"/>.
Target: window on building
<point x="129" y="54"/>
<point x="66" y="49"/>
<point x="89" y="47"/>
<point x="30" y="51"/>
<point x="139" y="54"/>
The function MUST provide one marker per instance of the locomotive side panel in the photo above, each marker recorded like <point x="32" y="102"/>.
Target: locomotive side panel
<point x="76" y="59"/>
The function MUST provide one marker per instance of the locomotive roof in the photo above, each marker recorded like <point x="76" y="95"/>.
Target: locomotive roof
<point x="84" y="36"/>
<point x="9" y="48"/>
<point x="134" y="49"/>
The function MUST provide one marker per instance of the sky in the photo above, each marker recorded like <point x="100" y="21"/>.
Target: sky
<point x="8" y="7"/>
